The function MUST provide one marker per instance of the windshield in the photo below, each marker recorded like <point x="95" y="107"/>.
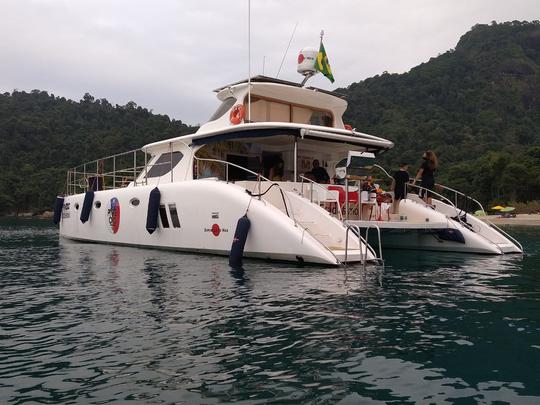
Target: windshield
<point x="223" y="108"/>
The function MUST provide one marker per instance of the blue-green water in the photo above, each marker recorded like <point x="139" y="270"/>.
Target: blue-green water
<point x="83" y="323"/>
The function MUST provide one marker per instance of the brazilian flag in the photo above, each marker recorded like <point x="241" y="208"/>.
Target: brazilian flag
<point x="322" y="65"/>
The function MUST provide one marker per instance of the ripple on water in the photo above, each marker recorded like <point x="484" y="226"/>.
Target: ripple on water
<point x="93" y="323"/>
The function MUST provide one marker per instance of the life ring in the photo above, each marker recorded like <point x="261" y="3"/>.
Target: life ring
<point x="237" y="114"/>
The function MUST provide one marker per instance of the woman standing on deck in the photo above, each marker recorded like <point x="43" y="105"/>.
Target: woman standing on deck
<point x="427" y="174"/>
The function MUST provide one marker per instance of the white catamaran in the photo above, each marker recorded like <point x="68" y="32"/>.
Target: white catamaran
<point x="242" y="186"/>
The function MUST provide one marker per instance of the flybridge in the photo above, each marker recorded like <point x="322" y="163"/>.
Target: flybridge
<point x="266" y="79"/>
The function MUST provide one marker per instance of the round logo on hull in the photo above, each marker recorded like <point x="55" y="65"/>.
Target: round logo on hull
<point x="113" y="214"/>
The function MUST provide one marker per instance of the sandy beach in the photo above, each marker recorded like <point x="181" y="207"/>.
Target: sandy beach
<point x="520" y="219"/>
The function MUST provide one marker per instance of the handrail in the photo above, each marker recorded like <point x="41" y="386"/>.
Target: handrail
<point x="364" y="241"/>
<point x="340" y="215"/>
<point x="107" y="157"/>
<point x="259" y="177"/>
<point x="124" y="171"/>
<point x="428" y="190"/>
<point x="379" y="239"/>
<point x="486" y="220"/>
<point x="231" y="164"/>
<point x="462" y="194"/>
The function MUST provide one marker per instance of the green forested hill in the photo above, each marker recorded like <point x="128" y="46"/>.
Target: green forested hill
<point x="42" y="135"/>
<point x="477" y="106"/>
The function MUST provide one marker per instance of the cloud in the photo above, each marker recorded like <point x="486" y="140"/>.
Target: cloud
<point x="169" y="55"/>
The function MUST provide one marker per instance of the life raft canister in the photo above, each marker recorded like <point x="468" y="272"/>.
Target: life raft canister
<point x="237" y="114"/>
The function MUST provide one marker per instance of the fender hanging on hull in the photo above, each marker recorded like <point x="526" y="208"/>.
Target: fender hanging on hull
<point x="239" y="242"/>
<point x="87" y="206"/>
<point x="153" y="210"/>
<point x="58" y="205"/>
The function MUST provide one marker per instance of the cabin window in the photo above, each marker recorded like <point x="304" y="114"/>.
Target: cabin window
<point x="269" y="111"/>
<point x="223" y="108"/>
<point x="174" y="215"/>
<point x="263" y="110"/>
<point x="164" y="164"/>
<point x="302" y="115"/>
<point x="163" y="216"/>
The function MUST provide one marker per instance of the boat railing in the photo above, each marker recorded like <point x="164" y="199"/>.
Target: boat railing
<point x="110" y="172"/>
<point x="324" y="190"/>
<point x="434" y="193"/>
<point x="259" y="192"/>
<point x="481" y="209"/>
<point x="459" y="210"/>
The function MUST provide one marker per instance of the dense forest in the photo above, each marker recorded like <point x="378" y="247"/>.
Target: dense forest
<point x="477" y="106"/>
<point x="42" y="135"/>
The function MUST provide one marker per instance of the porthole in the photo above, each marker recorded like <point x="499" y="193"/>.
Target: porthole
<point x="76" y="206"/>
<point x="134" y="201"/>
<point x="97" y="204"/>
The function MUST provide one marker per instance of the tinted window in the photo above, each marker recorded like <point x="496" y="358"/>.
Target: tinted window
<point x="223" y="108"/>
<point x="164" y="165"/>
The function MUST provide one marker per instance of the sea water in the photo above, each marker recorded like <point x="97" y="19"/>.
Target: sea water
<point x="87" y="323"/>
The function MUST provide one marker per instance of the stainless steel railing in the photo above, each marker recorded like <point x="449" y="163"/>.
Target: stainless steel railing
<point x="110" y="172"/>
<point x="458" y="209"/>
<point x="323" y="189"/>
<point x="259" y="178"/>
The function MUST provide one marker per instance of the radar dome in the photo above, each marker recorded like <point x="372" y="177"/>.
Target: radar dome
<point x="306" y="61"/>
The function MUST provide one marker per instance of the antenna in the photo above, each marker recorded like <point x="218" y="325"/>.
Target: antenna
<point x="249" y="60"/>
<point x="264" y="61"/>
<point x="287" y="50"/>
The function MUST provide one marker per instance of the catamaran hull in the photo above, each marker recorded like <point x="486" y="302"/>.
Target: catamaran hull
<point x="439" y="229"/>
<point x="430" y="240"/>
<point x="194" y="216"/>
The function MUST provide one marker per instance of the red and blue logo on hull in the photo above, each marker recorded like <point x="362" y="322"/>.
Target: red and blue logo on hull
<point x="113" y="214"/>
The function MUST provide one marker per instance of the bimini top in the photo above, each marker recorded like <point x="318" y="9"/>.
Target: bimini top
<point x="370" y="143"/>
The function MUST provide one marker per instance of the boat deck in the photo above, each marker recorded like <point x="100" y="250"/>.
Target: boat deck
<point x="399" y="224"/>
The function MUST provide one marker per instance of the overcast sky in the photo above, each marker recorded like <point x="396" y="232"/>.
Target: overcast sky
<point x="168" y="55"/>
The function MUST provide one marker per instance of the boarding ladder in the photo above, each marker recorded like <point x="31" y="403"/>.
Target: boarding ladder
<point x="363" y="242"/>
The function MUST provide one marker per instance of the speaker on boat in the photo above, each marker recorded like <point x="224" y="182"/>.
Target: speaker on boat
<point x="239" y="241"/>
<point x="87" y="206"/>
<point x="153" y="210"/>
<point x="452" y="235"/>
<point x="58" y="205"/>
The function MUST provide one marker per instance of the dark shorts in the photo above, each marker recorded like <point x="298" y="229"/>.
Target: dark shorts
<point x="399" y="195"/>
<point x="428" y="184"/>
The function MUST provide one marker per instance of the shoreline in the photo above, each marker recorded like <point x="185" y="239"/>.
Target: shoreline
<point x="519" y="220"/>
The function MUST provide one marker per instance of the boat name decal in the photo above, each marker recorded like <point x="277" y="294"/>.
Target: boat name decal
<point x="113" y="214"/>
<point x="216" y="230"/>
<point x="65" y="210"/>
<point x="215" y="215"/>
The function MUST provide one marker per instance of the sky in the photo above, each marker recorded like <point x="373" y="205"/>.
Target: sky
<point x="168" y="55"/>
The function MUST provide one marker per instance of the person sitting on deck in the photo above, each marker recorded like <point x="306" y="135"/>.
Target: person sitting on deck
<point x="276" y="171"/>
<point x="320" y="173"/>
